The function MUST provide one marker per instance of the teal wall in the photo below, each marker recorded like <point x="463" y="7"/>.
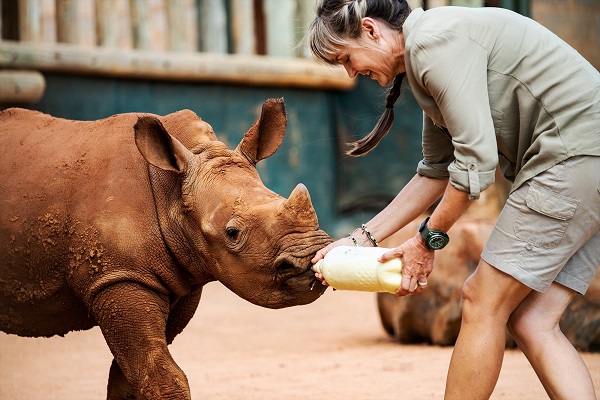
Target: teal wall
<point x="345" y="191"/>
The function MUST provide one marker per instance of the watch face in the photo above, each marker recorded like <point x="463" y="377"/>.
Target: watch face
<point x="437" y="242"/>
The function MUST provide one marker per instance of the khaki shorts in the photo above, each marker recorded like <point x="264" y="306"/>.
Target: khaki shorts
<point x="549" y="229"/>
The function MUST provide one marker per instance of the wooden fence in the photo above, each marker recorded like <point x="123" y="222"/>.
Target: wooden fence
<point x="247" y="42"/>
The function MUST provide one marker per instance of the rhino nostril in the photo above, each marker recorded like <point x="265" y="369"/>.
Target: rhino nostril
<point x="285" y="268"/>
<point x="232" y="233"/>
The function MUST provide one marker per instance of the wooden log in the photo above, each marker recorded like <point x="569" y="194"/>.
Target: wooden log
<point x="86" y="15"/>
<point x="66" y="25"/>
<point x="75" y="22"/>
<point x="280" y="16"/>
<point x="113" y="24"/>
<point x="37" y="21"/>
<point x="182" y="17"/>
<point x="243" y="39"/>
<point x="149" y="24"/>
<point x="197" y="67"/>
<point x="213" y="26"/>
<point x="21" y="86"/>
<point x="304" y="15"/>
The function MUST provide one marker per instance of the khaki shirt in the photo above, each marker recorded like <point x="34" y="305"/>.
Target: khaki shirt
<point x="497" y="87"/>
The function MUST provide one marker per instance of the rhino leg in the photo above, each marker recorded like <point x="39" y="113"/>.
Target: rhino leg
<point x="133" y="321"/>
<point x="118" y="387"/>
<point x="181" y="312"/>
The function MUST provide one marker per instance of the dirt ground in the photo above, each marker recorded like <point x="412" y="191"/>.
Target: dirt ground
<point x="332" y="349"/>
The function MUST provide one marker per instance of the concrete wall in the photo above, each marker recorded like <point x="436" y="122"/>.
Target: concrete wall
<point x="575" y="21"/>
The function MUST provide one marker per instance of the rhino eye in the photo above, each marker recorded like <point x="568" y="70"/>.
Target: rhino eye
<point x="232" y="232"/>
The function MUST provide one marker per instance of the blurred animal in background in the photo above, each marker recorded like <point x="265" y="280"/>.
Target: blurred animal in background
<point x="434" y="316"/>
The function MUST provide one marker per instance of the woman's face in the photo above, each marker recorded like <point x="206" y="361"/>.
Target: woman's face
<point x="378" y="53"/>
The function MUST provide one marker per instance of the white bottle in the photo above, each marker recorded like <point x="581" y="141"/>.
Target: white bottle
<point x="357" y="268"/>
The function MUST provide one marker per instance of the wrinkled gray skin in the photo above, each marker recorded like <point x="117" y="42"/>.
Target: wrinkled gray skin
<point x="121" y="222"/>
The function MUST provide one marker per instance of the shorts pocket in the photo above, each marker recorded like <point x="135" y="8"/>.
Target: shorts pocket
<point x="544" y="222"/>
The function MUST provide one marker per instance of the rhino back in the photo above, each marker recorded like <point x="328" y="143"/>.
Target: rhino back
<point x="76" y="209"/>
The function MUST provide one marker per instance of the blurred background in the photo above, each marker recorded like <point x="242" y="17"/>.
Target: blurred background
<point x="89" y="59"/>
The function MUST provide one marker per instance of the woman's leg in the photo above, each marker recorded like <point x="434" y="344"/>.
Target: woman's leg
<point x="489" y="297"/>
<point x="535" y="327"/>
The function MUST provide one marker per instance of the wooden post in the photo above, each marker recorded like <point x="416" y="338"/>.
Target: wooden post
<point x="149" y="24"/>
<point x="212" y="16"/>
<point x="280" y="16"/>
<point x="86" y="15"/>
<point x="66" y="21"/>
<point x="113" y="24"/>
<point x="243" y="39"/>
<point x="305" y="15"/>
<point x="37" y="21"/>
<point x="75" y="20"/>
<point x="182" y="20"/>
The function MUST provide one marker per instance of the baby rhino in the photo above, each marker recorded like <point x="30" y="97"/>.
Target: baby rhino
<point x="120" y="222"/>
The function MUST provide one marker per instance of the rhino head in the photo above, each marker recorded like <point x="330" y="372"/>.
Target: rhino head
<point x="220" y="221"/>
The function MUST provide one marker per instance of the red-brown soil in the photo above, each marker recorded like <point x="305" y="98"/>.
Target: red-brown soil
<point x="332" y="349"/>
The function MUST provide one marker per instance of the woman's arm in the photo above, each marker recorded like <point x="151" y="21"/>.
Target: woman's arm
<point x="417" y="258"/>
<point x="416" y="197"/>
<point x="454" y="203"/>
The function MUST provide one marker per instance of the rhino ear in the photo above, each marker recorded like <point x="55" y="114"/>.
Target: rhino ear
<point x="265" y="136"/>
<point x="158" y="147"/>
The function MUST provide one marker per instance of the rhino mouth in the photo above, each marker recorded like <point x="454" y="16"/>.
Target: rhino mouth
<point x="287" y="268"/>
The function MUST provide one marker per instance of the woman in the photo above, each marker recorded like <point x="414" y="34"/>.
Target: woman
<point x="496" y="88"/>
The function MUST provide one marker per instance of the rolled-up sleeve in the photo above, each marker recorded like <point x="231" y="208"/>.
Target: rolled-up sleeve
<point x="438" y="151"/>
<point x="452" y="71"/>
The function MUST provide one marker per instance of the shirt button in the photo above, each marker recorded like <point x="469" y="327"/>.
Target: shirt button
<point x="529" y="247"/>
<point x="471" y="167"/>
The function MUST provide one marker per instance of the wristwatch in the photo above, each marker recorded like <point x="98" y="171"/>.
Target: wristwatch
<point x="434" y="240"/>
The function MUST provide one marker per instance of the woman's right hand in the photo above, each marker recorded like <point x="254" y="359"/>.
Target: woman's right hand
<point x="417" y="262"/>
<point x="321" y="254"/>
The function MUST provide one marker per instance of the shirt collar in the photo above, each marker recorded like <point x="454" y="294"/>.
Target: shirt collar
<point x="411" y="20"/>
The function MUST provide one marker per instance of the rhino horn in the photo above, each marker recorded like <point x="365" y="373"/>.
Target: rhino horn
<point x="266" y="135"/>
<point x="299" y="204"/>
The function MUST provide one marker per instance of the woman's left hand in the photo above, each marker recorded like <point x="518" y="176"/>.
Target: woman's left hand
<point x="417" y="264"/>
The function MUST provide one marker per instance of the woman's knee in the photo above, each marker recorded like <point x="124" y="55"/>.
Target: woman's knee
<point x="490" y="293"/>
<point x="472" y="303"/>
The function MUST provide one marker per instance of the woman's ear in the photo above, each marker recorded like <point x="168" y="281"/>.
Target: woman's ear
<point x="370" y="27"/>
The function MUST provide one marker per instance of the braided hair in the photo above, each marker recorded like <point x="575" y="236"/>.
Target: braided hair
<point x="335" y="22"/>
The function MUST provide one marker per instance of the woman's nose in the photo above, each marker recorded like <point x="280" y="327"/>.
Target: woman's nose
<point x="350" y="71"/>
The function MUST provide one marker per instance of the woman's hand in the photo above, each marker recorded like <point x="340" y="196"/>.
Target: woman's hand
<point x="321" y="254"/>
<point x="417" y="264"/>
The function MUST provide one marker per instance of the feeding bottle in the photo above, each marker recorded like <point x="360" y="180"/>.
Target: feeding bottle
<point x="357" y="268"/>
